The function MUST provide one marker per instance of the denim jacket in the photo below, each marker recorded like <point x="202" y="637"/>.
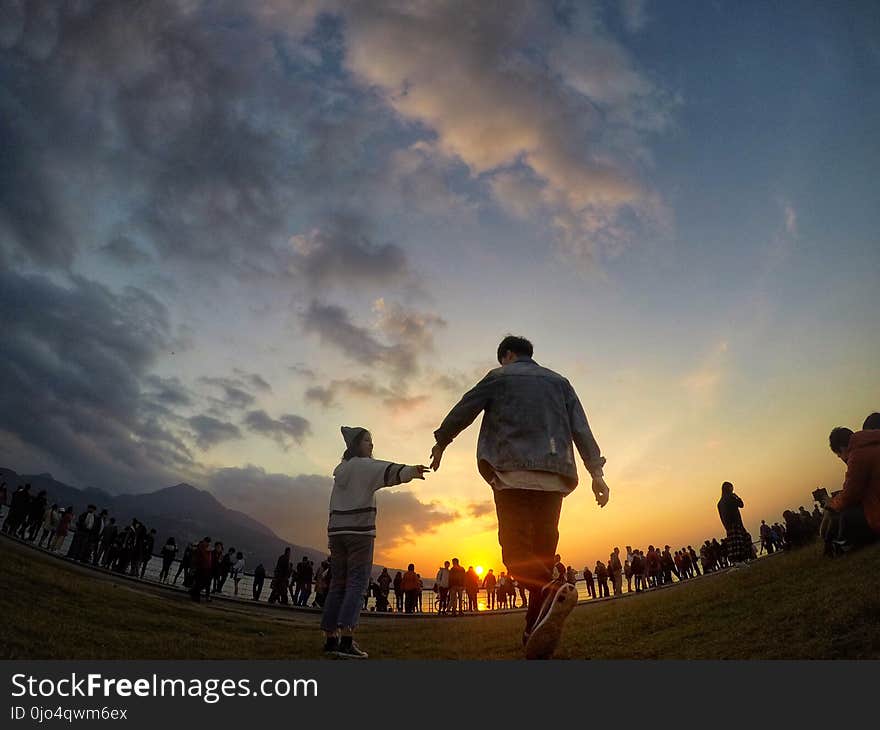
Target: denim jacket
<point x="531" y="417"/>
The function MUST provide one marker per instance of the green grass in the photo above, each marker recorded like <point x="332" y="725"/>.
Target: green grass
<point x="796" y="606"/>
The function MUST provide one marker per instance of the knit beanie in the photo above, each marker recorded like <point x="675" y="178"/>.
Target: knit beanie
<point x="351" y="434"/>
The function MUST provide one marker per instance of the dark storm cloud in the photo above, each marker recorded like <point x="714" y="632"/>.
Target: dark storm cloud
<point x="74" y="366"/>
<point x="286" y="428"/>
<point x="296" y="507"/>
<point x="199" y="127"/>
<point x="211" y="431"/>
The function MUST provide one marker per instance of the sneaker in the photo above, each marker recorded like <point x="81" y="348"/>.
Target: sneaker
<point x="548" y="630"/>
<point x="350" y="650"/>
<point x="548" y="592"/>
<point x="331" y="644"/>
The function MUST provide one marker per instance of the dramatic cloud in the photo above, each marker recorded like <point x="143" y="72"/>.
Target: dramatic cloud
<point x="341" y="253"/>
<point x="234" y="394"/>
<point x="334" y="393"/>
<point x="211" y="431"/>
<point x="410" y="335"/>
<point x="296" y="507"/>
<point x="289" y="427"/>
<point x="76" y="389"/>
<point x="523" y="86"/>
<point x="198" y="133"/>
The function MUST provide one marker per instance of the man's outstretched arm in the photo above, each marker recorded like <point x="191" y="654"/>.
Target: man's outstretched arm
<point x="586" y="445"/>
<point x="460" y="417"/>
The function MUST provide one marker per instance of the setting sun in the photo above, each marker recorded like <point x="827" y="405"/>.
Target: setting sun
<point x="479" y="570"/>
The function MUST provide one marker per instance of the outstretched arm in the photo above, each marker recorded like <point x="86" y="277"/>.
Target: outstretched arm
<point x="460" y="417"/>
<point x="586" y="445"/>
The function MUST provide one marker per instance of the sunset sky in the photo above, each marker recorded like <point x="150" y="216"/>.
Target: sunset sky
<point x="228" y="228"/>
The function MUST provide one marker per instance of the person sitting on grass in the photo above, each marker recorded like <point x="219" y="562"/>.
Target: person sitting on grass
<point x="852" y="515"/>
<point x="352" y="533"/>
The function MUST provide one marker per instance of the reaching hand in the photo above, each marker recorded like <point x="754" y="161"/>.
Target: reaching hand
<point x="421" y="471"/>
<point x="600" y="489"/>
<point x="436" y="456"/>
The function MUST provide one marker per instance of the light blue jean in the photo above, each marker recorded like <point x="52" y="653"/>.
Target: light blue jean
<point x="351" y="560"/>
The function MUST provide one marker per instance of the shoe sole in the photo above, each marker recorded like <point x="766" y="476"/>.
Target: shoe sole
<point x="545" y="636"/>
<point x="343" y="655"/>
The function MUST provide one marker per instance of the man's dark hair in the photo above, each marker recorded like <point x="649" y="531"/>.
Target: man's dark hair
<point x="839" y="438"/>
<point x="872" y="422"/>
<point x="519" y="346"/>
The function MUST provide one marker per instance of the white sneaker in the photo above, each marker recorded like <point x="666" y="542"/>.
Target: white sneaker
<point x="547" y="631"/>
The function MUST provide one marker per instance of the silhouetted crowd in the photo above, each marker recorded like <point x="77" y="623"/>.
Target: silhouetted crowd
<point x="205" y="567"/>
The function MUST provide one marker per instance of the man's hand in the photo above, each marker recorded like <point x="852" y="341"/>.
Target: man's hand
<point x="600" y="489"/>
<point x="421" y="471"/>
<point x="436" y="456"/>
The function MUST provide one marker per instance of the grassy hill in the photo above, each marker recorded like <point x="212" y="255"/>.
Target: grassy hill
<point x="795" y="606"/>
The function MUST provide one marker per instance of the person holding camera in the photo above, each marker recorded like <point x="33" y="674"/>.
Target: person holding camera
<point x="739" y="543"/>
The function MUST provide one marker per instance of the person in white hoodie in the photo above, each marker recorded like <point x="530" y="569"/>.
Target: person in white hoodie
<point x="352" y="532"/>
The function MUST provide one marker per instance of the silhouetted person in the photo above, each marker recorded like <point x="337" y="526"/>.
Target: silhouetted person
<point x="169" y="552"/>
<point x="738" y="542"/>
<point x="601" y="579"/>
<point x="588" y="579"/>
<point x="79" y="546"/>
<point x="63" y="528"/>
<point x="384" y="583"/>
<point x="441" y="583"/>
<point x="322" y="582"/>
<point x="237" y="571"/>
<point x="18" y="509"/>
<point x="36" y="509"/>
<point x="146" y="554"/>
<point x="398" y="591"/>
<point x="105" y="540"/>
<point x="185" y="563"/>
<point x="304" y="578"/>
<point x="531" y="417"/>
<point x="51" y="518"/>
<point x="489" y="583"/>
<point x="471" y="587"/>
<point x="226" y="563"/>
<point x="410" y="585"/>
<point x="278" y="586"/>
<point x="203" y="570"/>
<point x="259" y="579"/>
<point x="457" y="580"/>
<point x="694" y="560"/>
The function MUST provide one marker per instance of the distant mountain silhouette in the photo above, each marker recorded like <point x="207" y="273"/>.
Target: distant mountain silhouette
<point x="183" y="512"/>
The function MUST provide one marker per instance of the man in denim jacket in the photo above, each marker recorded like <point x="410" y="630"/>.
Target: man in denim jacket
<point x="532" y="420"/>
